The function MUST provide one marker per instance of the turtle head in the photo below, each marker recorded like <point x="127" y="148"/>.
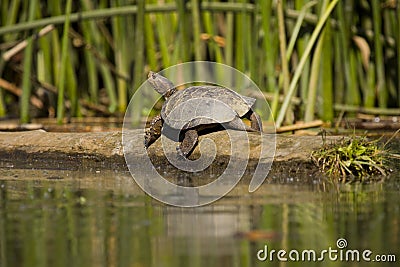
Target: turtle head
<point x="161" y="84"/>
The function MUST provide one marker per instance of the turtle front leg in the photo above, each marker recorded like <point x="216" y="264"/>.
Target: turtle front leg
<point x="256" y="123"/>
<point x="188" y="143"/>
<point x="154" y="132"/>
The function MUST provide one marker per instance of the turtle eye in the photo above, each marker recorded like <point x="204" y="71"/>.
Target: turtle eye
<point x="151" y="75"/>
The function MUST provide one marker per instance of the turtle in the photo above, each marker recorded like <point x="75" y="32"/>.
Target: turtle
<point x="196" y="108"/>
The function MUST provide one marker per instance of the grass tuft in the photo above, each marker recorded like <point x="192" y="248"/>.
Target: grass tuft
<point x="354" y="159"/>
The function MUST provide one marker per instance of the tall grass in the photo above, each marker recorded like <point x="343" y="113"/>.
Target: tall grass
<point x="63" y="65"/>
<point x="27" y="65"/>
<point x="333" y="55"/>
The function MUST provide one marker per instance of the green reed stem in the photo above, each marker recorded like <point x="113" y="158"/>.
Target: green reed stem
<point x="389" y="29"/>
<point x="56" y="51"/>
<point x="197" y="45"/>
<point x="366" y="70"/>
<point x="339" y="84"/>
<point x="296" y="31"/>
<point x="150" y="43"/>
<point x="10" y="16"/>
<point x="303" y="59"/>
<point x="4" y="20"/>
<point x="71" y="83"/>
<point x="139" y="60"/>
<point x="240" y="23"/>
<point x="230" y="20"/>
<point x="100" y="44"/>
<point x="63" y="66"/>
<point x="90" y="63"/>
<point x="270" y="53"/>
<point x="379" y="60"/>
<point x="120" y="55"/>
<point x="352" y="95"/>
<point x="26" y="82"/>
<point x="321" y="62"/>
<point x="45" y="49"/>
<point x="163" y="30"/>
<point x="301" y="44"/>
<point x="215" y="50"/>
<point x="369" y="92"/>
<point x="250" y="43"/>
<point x="139" y="41"/>
<point x="326" y="77"/>
<point x="184" y="38"/>
<point x="284" y="61"/>
<point x="313" y="86"/>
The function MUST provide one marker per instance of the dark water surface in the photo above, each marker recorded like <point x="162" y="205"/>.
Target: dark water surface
<point x="98" y="218"/>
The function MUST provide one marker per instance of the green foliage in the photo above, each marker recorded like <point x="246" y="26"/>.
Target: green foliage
<point x="64" y="64"/>
<point x="351" y="159"/>
<point x="26" y="85"/>
<point x="335" y="52"/>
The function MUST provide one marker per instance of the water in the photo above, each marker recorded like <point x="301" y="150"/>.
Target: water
<point x="101" y="218"/>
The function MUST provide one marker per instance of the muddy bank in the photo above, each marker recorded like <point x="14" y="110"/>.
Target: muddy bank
<point x="75" y="151"/>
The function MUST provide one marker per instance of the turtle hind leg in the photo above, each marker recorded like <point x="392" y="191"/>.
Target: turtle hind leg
<point x="238" y="124"/>
<point x="154" y="132"/>
<point x="188" y="143"/>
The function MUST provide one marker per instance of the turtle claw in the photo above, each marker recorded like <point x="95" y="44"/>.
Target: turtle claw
<point x="147" y="139"/>
<point x="181" y="153"/>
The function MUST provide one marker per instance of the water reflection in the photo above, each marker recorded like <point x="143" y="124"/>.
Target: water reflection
<point x="103" y="219"/>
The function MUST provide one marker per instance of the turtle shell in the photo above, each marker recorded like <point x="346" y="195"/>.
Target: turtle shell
<point x="202" y="105"/>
